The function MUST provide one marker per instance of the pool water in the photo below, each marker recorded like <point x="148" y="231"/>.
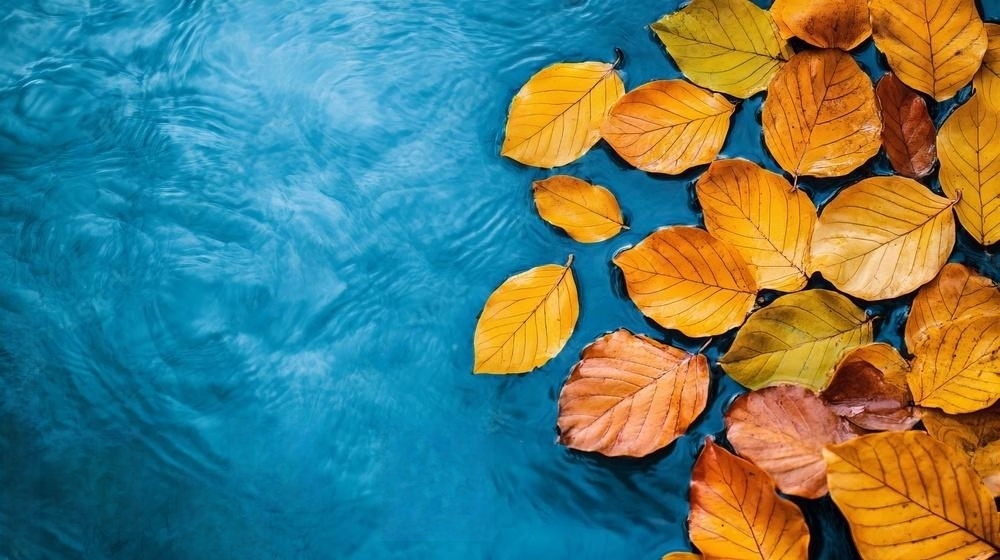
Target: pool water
<point x="243" y="247"/>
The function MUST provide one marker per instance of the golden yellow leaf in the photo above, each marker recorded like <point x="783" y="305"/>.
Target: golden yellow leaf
<point x="631" y="395"/>
<point x="906" y="495"/>
<point x="987" y="80"/>
<point x="820" y="117"/>
<point x="761" y="216"/>
<point x="977" y="435"/>
<point x="841" y="25"/>
<point x="556" y="116"/>
<point x="869" y="389"/>
<point x="883" y="237"/>
<point x="668" y="126"/>
<point x="969" y="149"/>
<point x="956" y="293"/>
<point x="527" y="320"/>
<point x="797" y="339"/>
<point x="587" y="212"/>
<point x="730" y="46"/>
<point x="685" y="279"/>
<point x="736" y="513"/>
<point x="934" y="46"/>
<point x="956" y="367"/>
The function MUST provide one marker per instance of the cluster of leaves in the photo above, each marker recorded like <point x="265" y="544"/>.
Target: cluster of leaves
<point x="829" y="411"/>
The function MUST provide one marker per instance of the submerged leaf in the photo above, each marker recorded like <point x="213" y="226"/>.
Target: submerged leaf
<point x="987" y="80"/>
<point x="668" y="126"/>
<point x="869" y="389"/>
<point x="956" y="367"/>
<point x="587" y="212"/>
<point x="631" y="395"/>
<point x="843" y="24"/>
<point x="977" y="435"/>
<point x="956" y="293"/>
<point x="908" y="131"/>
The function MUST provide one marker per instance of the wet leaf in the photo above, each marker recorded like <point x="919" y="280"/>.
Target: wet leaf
<point x="841" y="25"/>
<point x="933" y="46"/>
<point x="956" y="367"/>
<point x="527" y="320"/>
<point x="869" y="389"/>
<point x="783" y="430"/>
<point x="681" y="556"/>
<point x="797" y="339"/>
<point x="987" y="80"/>
<point x="762" y="217"/>
<point x="956" y="293"/>
<point x="730" y="46"/>
<point x="883" y="237"/>
<point x="556" y="116"/>
<point x="906" y="495"/>
<point x="976" y="435"/>
<point x="969" y="148"/>
<point x="820" y="117"/>
<point x="631" y="395"/>
<point x="907" y="129"/>
<point x="668" y="126"/>
<point x="685" y="279"/>
<point x="587" y="212"/>
<point x="736" y="513"/>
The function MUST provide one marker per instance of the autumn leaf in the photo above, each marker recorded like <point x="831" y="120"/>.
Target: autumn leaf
<point x="730" y="46"/>
<point x="527" y="320"/>
<point x="761" y="216"/>
<point x="681" y="556"/>
<point x="956" y="293"/>
<point x="841" y="25"/>
<point x="907" y="129"/>
<point x="685" y="279"/>
<point x="976" y="435"/>
<point x="969" y="147"/>
<point x="587" y="212"/>
<point x="820" y="117"/>
<point x="668" y="126"/>
<point x="556" y="116"/>
<point x="631" y="395"/>
<point x="987" y="80"/>
<point x="783" y="430"/>
<point x="956" y="367"/>
<point x="869" y="389"/>
<point x="883" y="237"/>
<point x="797" y="339"/>
<point x="906" y="495"/>
<point x="933" y="46"/>
<point x="736" y="513"/>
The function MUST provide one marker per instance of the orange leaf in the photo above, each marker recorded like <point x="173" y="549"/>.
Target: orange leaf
<point x="631" y="395"/>
<point x="869" y="389"/>
<point x="588" y="213"/>
<point x="956" y="367"/>
<point x="842" y="24"/>
<point x="956" y="293"/>
<point x="908" y="132"/>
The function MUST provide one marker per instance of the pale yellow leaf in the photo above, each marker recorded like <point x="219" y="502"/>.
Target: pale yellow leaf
<point x="589" y="213"/>
<point x="956" y="367"/>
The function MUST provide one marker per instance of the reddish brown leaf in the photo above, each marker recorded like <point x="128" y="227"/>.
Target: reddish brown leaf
<point x="869" y="389"/>
<point x="907" y="129"/>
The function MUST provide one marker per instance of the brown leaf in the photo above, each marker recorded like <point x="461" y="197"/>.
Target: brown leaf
<point x="869" y="389"/>
<point x="907" y="129"/>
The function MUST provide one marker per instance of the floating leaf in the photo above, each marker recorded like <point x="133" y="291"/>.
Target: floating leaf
<point x="969" y="147"/>
<point x="976" y="434"/>
<point x="956" y="293"/>
<point x="783" y="430"/>
<point x="906" y="495"/>
<point x="631" y="395"/>
<point x="587" y="212"/>
<point x="883" y="237"/>
<point x="556" y="116"/>
<point x="797" y="339"/>
<point x="841" y="25"/>
<point x="681" y="556"/>
<point x="869" y="389"/>
<point x="987" y="80"/>
<point x="956" y="367"/>
<point x="907" y="129"/>
<point x="685" y="279"/>
<point x="527" y="320"/>
<point x="762" y="217"/>
<point x="933" y="46"/>
<point x="736" y="513"/>
<point x="820" y="117"/>
<point x="730" y="46"/>
<point x="668" y="126"/>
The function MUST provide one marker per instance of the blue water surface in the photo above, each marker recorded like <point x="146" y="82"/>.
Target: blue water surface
<point x="243" y="246"/>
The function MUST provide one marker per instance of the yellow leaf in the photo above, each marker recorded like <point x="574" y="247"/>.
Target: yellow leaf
<point x="527" y="320"/>
<point x="956" y="293"/>
<point x="630" y="395"/>
<point x="987" y="80"/>
<point x="556" y="116"/>
<point x="906" y="495"/>
<point x="842" y="25"/>
<point x="933" y="46"/>
<point x="736" y="513"/>
<point x="977" y="435"/>
<point x="730" y="46"/>
<point x="797" y="339"/>
<point x="969" y="151"/>
<point x="588" y="213"/>
<point x="685" y="279"/>
<point x="956" y="367"/>
<point x="762" y="217"/>
<point x="820" y="116"/>
<point x="668" y="126"/>
<point x="883" y="237"/>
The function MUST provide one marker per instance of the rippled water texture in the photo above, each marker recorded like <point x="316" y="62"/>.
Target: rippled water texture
<point x="244" y="244"/>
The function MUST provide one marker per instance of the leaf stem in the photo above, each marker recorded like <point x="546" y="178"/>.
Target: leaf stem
<point x="619" y="58"/>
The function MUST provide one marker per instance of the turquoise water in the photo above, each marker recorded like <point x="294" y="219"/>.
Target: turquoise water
<point x="243" y="246"/>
